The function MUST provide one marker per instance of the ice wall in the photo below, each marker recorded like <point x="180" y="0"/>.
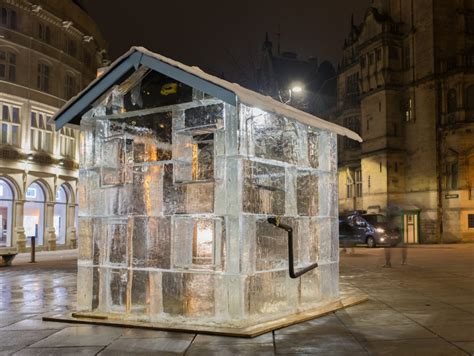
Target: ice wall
<point x="173" y="209"/>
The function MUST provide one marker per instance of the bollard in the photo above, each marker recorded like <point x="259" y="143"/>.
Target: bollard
<point x="33" y="245"/>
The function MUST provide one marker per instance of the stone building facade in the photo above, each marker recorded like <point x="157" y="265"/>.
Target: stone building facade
<point x="406" y="84"/>
<point x="49" y="50"/>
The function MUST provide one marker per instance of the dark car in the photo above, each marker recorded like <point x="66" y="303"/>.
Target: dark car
<point x="368" y="229"/>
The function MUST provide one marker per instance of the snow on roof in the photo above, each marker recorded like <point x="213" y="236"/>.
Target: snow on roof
<point x="246" y="96"/>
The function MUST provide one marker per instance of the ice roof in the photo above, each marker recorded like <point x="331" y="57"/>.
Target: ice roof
<point x="193" y="76"/>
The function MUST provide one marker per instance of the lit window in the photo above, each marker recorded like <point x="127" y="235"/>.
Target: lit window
<point x="31" y="193"/>
<point x="67" y="142"/>
<point x="10" y="125"/>
<point x="349" y="187"/>
<point x="409" y="113"/>
<point x="358" y="181"/>
<point x="41" y="138"/>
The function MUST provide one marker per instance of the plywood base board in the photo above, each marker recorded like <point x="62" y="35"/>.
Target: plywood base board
<point x="248" y="332"/>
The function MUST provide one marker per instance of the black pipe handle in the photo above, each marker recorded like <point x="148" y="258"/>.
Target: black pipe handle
<point x="291" y="268"/>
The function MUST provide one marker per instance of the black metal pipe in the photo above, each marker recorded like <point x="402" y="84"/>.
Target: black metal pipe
<point x="291" y="267"/>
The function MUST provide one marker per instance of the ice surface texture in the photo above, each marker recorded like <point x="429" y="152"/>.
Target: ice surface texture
<point x="173" y="210"/>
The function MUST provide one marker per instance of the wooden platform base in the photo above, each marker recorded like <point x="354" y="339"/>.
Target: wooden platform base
<point x="246" y="332"/>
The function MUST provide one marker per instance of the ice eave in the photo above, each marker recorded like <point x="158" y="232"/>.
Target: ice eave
<point x="192" y="76"/>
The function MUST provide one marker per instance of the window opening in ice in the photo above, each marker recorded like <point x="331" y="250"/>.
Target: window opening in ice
<point x="203" y="242"/>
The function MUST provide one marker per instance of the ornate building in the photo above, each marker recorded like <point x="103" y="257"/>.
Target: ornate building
<point x="49" y="50"/>
<point x="406" y="84"/>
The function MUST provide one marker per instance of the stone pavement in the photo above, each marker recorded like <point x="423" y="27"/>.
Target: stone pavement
<point x="423" y="308"/>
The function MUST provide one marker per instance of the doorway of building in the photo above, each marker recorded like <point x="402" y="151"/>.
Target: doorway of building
<point x="411" y="227"/>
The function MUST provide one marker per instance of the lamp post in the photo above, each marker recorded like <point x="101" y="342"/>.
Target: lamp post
<point x="295" y="89"/>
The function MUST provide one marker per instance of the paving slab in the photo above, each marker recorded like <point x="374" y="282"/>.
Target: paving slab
<point x="147" y="346"/>
<point x="297" y="344"/>
<point x="59" y="351"/>
<point x="75" y="336"/>
<point x="261" y="349"/>
<point x="13" y="338"/>
<point x="421" y="347"/>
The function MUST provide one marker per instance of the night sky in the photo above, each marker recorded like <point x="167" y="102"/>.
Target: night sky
<point x="225" y="37"/>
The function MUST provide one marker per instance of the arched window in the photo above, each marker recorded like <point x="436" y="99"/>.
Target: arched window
<point x="34" y="212"/>
<point x="470" y="98"/>
<point x="452" y="101"/>
<point x="60" y="215"/>
<point x="6" y="213"/>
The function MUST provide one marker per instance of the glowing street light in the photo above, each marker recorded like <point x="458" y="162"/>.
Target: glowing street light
<point x="296" y="89"/>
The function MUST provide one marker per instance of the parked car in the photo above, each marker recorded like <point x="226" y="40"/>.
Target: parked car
<point x="367" y="229"/>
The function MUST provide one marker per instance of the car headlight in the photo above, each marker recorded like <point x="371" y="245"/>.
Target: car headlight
<point x="380" y="230"/>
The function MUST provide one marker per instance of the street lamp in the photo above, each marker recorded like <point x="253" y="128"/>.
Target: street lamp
<point x="294" y="89"/>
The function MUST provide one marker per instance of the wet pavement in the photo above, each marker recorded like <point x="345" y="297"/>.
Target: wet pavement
<point x="423" y="308"/>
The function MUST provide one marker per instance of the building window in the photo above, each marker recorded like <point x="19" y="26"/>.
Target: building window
<point x="470" y="221"/>
<point x="358" y="183"/>
<point x="452" y="101"/>
<point x="71" y="48"/>
<point x="44" y="33"/>
<point x="396" y="167"/>
<point x="33" y="212"/>
<point x="352" y="123"/>
<point x="66" y="142"/>
<point x="349" y="184"/>
<point x="10" y="122"/>
<point x="70" y="86"/>
<point x="41" y="132"/>
<point x="380" y="167"/>
<point x="362" y="61"/>
<point x="60" y="215"/>
<point x="6" y="213"/>
<point x="7" y="66"/>
<point x="9" y="18"/>
<point x="395" y="130"/>
<point x="352" y="89"/>
<point x="409" y="113"/>
<point x="43" y="77"/>
<point x="452" y="175"/>
<point x="378" y="54"/>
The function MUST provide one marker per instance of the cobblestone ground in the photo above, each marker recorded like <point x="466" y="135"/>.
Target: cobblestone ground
<point x="423" y="308"/>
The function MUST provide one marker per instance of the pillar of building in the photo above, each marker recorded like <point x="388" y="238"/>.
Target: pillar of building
<point x="71" y="233"/>
<point x="18" y="230"/>
<point x="50" y="230"/>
